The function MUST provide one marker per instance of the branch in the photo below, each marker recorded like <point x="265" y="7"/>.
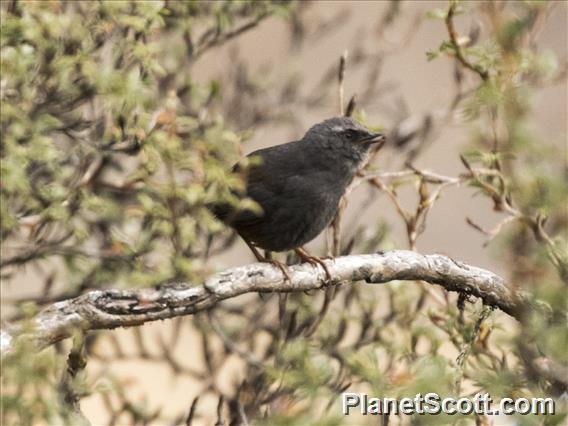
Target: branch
<point x="76" y="362"/>
<point x="108" y="309"/>
<point x="454" y="38"/>
<point x="221" y="38"/>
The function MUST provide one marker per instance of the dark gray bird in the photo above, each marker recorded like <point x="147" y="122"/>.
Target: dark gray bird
<point x="298" y="185"/>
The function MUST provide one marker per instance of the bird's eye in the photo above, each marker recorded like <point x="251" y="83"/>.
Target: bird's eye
<point x="350" y="134"/>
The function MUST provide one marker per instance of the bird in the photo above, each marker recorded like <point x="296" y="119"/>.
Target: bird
<point x="298" y="186"/>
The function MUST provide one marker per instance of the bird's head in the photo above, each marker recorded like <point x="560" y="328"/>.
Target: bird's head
<point x="344" y="138"/>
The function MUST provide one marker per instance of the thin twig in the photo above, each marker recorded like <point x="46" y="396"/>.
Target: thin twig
<point x="220" y="421"/>
<point x="454" y="38"/>
<point x="341" y="79"/>
<point x="192" y="409"/>
<point x="76" y="362"/>
<point x="468" y="345"/>
<point x="226" y="36"/>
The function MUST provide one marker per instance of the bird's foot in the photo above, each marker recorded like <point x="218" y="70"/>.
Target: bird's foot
<point x="313" y="260"/>
<point x="283" y="267"/>
<point x="267" y="258"/>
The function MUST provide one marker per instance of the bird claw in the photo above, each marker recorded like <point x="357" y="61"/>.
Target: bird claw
<point x="268" y="259"/>
<point x="282" y="268"/>
<point x="314" y="260"/>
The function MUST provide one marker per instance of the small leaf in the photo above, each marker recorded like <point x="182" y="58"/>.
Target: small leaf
<point x="437" y="14"/>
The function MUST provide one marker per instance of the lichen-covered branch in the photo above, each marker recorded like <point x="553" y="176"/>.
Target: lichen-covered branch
<point x="108" y="309"/>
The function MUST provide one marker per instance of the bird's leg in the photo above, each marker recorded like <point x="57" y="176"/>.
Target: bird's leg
<point x="268" y="259"/>
<point x="255" y="251"/>
<point x="313" y="260"/>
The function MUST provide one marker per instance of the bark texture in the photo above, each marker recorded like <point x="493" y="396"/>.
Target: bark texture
<point x="108" y="309"/>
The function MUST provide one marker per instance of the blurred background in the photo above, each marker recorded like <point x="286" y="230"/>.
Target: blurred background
<point x="135" y="112"/>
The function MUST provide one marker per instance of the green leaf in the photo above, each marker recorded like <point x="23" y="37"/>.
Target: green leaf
<point x="437" y="14"/>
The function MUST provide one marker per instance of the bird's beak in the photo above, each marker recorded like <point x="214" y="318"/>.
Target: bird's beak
<point x="375" y="138"/>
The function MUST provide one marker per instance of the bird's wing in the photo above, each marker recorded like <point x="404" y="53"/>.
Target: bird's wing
<point x="280" y="168"/>
<point x="281" y="179"/>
